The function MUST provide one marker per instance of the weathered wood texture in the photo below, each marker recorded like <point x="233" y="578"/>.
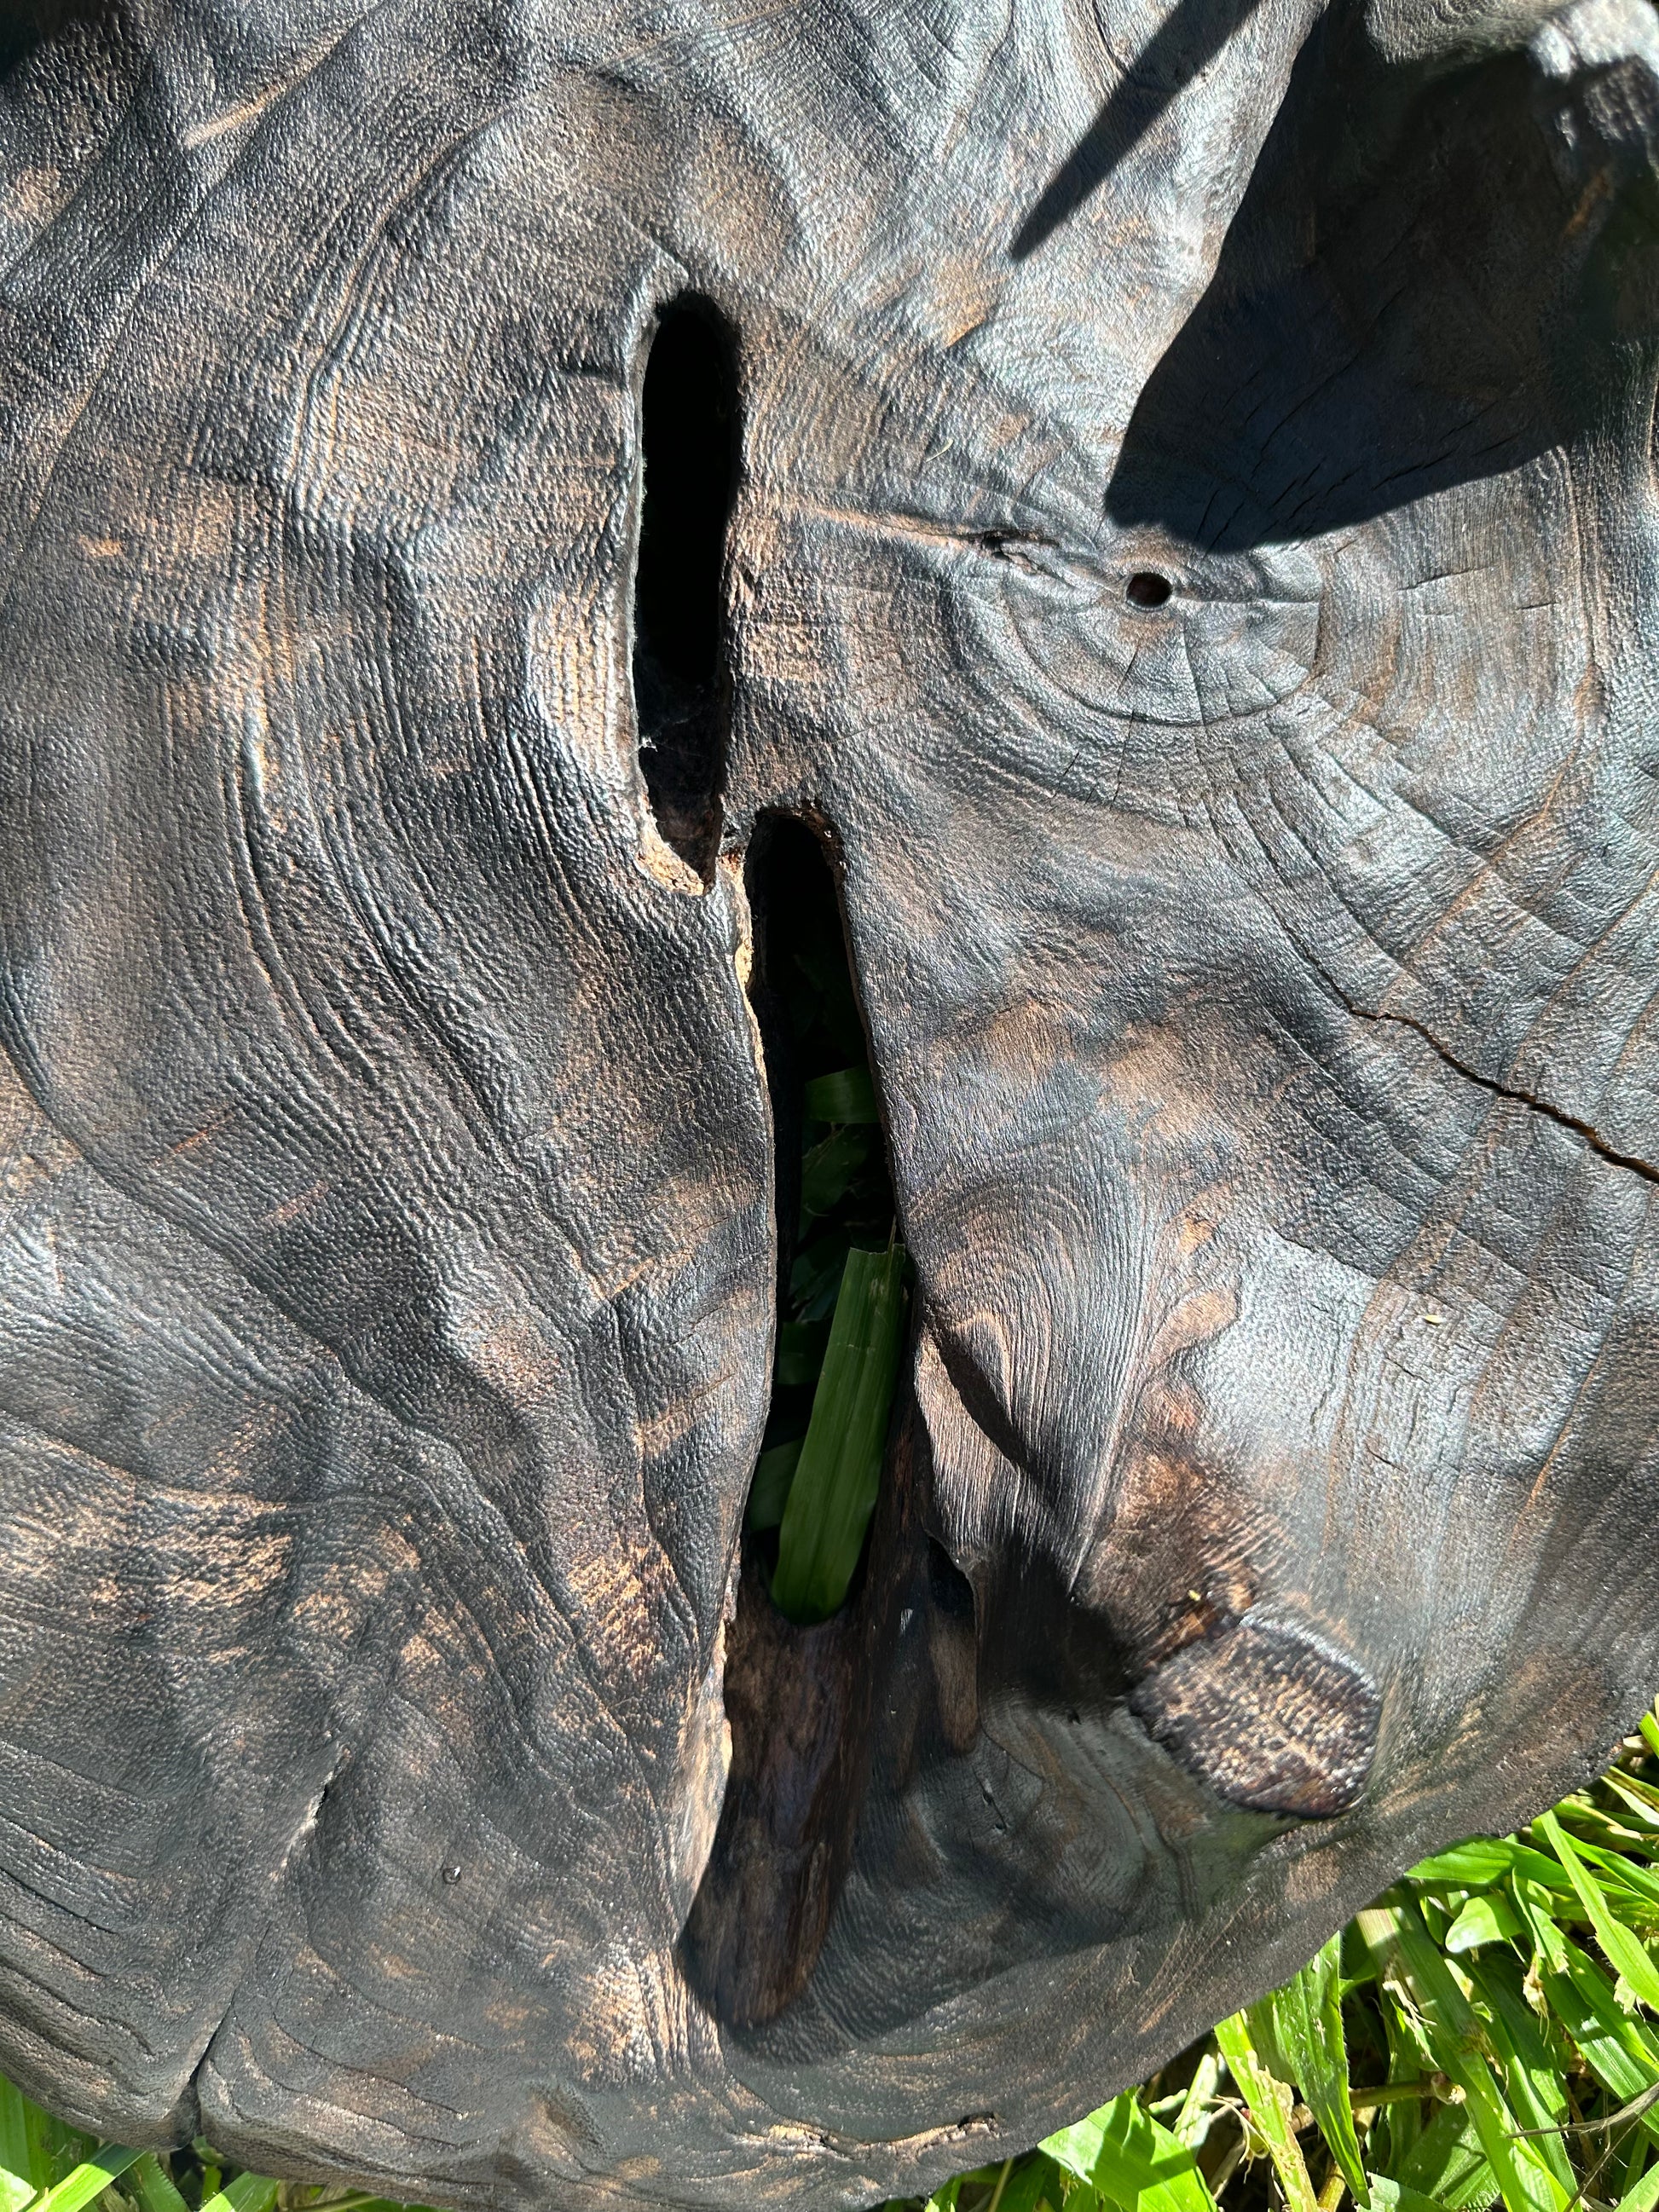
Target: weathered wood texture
<point x="1260" y="985"/>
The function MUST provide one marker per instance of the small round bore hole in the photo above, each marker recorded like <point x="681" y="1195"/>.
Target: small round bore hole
<point x="1147" y="588"/>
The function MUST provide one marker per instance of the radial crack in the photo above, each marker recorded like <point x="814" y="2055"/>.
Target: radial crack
<point x="1591" y="1136"/>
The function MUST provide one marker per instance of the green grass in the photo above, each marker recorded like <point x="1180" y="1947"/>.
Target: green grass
<point x="837" y="1471"/>
<point x="843" y="1296"/>
<point x="1486" y="2033"/>
<point x="841" y="1340"/>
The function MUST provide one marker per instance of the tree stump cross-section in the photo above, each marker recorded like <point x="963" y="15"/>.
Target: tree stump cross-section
<point x="1162" y="493"/>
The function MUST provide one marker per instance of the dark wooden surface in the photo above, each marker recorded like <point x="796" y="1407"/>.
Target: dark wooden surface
<point x="1260" y="985"/>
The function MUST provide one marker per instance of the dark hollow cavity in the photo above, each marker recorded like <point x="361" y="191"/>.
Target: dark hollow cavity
<point x="832" y="1185"/>
<point x="690" y="433"/>
<point x="798" y="1699"/>
<point x="1147" y="588"/>
<point x="949" y="1588"/>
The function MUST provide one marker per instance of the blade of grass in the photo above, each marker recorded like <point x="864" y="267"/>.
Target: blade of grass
<point x="1619" y="2051"/>
<point x="1192" y="2121"/>
<point x="1121" y="2152"/>
<point x="248" y="2192"/>
<point x="1397" y="2128"/>
<point x="15" y="2189"/>
<point x="1486" y="1861"/>
<point x="1270" y="2102"/>
<point x="1298" y="2032"/>
<point x="1625" y="1953"/>
<point x="834" y="1492"/>
<point x="1446" y="2163"/>
<point x="846" y="1096"/>
<point x="827" y="1168"/>
<point x="1644" y="2195"/>
<point x="1534" y="2083"/>
<point x="153" y="2189"/>
<point x="1641" y="1798"/>
<point x="1398" y="1933"/>
<point x="25" y="2168"/>
<point x="39" y="2146"/>
<point x="1391" y="2196"/>
<point x="1641" y="1882"/>
<point x="1588" y="1822"/>
<point x="90" y="2179"/>
<point x="1035" y="2180"/>
<point x="1484" y="1919"/>
<point x="1634" y="2163"/>
<point x="769" y="1492"/>
<point x="212" y="2168"/>
<point x="1396" y="2197"/>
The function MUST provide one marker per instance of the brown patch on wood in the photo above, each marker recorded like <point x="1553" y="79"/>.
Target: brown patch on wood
<point x="970" y="2125"/>
<point x="1273" y="1720"/>
<point x="664" y="866"/>
<point x="701" y="1770"/>
<point x="1200" y="1315"/>
<point x="1178" y="1558"/>
<point x="798" y="1703"/>
<point x="759" y="1919"/>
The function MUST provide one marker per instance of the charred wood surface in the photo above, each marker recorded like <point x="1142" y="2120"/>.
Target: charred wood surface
<point x="1166" y="494"/>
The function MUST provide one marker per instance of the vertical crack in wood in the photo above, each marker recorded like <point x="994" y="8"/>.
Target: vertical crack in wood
<point x="690" y="431"/>
<point x="798" y="1700"/>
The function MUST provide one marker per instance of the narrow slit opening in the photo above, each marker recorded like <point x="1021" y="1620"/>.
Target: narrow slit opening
<point x="834" y="1192"/>
<point x="800" y="1680"/>
<point x="690" y="432"/>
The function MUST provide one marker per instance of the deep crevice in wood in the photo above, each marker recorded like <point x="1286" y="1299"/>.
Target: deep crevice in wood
<point x="797" y="1698"/>
<point x="801" y="1704"/>
<point x="689" y="431"/>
